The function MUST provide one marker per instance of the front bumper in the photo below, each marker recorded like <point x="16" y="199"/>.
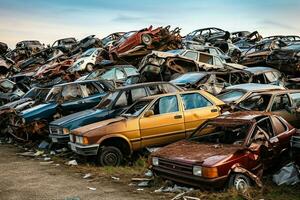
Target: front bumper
<point x="60" y="139"/>
<point x="188" y="179"/>
<point x="85" y="150"/>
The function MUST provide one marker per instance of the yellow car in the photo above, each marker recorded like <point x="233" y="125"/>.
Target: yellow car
<point x="151" y="121"/>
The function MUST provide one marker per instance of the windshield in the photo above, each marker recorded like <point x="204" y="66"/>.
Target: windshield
<point x="257" y="102"/>
<point x="232" y="132"/>
<point x="108" y="100"/>
<point x="191" y="78"/>
<point x="88" y="53"/>
<point x="54" y="94"/>
<point x="136" y="109"/>
<point x="7" y="84"/>
<point x="37" y="94"/>
<point x="232" y="95"/>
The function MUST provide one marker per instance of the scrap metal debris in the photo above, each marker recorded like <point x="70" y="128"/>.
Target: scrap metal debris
<point x="287" y="175"/>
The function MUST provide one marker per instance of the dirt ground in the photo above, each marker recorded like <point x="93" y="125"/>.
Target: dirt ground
<point x="23" y="178"/>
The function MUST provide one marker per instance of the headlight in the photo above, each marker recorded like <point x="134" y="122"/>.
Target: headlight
<point x="71" y="138"/>
<point x="155" y="161"/>
<point x="197" y="170"/>
<point x="66" y="131"/>
<point x="81" y="140"/>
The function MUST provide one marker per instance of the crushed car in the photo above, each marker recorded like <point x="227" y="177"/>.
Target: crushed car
<point x="109" y="107"/>
<point x="114" y="139"/>
<point x="143" y="41"/>
<point x="285" y="103"/>
<point x="62" y="99"/>
<point x="231" y="150"/>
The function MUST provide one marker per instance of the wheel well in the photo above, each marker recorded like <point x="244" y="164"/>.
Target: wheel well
<point x="118" y="142"/>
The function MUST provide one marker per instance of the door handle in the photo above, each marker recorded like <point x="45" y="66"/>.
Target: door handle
<point x="214" y="110"/>
<point x="177" y="116"/>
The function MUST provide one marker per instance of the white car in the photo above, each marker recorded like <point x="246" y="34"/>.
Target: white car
<point x="86" y="61"/>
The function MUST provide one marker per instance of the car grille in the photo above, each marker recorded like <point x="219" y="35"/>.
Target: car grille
<point x="55" y="130"/>
<point x="175" y="166"/>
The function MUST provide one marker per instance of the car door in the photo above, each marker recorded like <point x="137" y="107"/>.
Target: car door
<point x="281" y="106"/>
<point x="165" y="126"/>
<point x="128" y="41"/>
<point x="92" y="94"/>
<point x="282" y="135"/>
<point x="196" y="110"/>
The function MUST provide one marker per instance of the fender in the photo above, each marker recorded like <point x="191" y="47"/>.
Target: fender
<point x="115" y="136"/>
<point x="237" y="168"/>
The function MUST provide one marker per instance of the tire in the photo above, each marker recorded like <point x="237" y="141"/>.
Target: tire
<point x="110" y="156"/>
<point x="147" y="39"/>
<point x="89" y="67"/>
<point x="239" y="182"/>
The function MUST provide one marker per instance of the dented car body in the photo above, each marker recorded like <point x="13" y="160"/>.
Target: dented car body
<point x="178" y="115"/>
<point x="231" y="150"/>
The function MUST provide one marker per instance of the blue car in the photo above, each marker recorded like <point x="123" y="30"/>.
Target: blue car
<point x="62" y="99"/>
<point x="111" y="106"/>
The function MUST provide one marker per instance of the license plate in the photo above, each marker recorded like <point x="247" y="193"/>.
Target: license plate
<point x="73" y="148"/>
<point x="54" y="139"/>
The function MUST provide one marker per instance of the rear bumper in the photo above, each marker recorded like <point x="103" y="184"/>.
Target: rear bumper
<point x="60" y="139"/>
<point x="84" y="150"/>
<point x="190" y="179"/>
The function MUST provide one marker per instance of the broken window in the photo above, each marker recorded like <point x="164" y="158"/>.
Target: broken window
<point x="194" y="100"/>
<point x="88" y="89"/>
<point x="162" y="89"/>
<point x="122" y="101"/>
<point x="130" y="71"/>
<point x="191" y="54"/>
<point x="271" y="77"/>
<point x="71" y="92"/>
<point x="259" y="79"/>
<point x="296" y="98"/>
<point x="138" y="93"/>
<point x="164" y="105"/>
<point x="137" y="108"/>
<point x="266" y="126"/>
<point x="256" y="102"/>
<point x="119" y="74"/>
<point x="281" y="102"/>
<point x="222" y="133"/>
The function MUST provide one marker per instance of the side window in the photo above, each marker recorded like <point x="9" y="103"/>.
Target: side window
<point x="164" y="105"/>
<point x="266" y="126"/>
<point x="122" y="101"/>
<point x="296" y="98"/>
<point x="279" y="126"/>
<point x="194" y="100"/>
<point x="280" y="102"/>
<point x="71" y="92"/>
<point x="256" y="102"/>
<point x="130" y="71"/>
<point x="109" y="75"/>
<point x="138" y="93"/>
<point x="218" y="61"/>
<point x="88" y="89"/>
<point x="259" y="79"/>
<point x="192" y="55"/>
<point x="120" y="74"/>
<point x="270" y="77"/>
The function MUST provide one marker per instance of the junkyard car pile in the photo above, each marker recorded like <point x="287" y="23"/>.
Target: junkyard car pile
<point x="228" y="102"/>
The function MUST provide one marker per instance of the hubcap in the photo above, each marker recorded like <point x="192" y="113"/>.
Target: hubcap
<point x="110" y="159"/>
<point x="240" y="184"/>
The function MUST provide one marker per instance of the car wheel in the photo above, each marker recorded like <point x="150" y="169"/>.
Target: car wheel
<point x="239" y="182"/>
<point x="110" y="156"/>
<point x="147" y="39"/>
<point x="89" y="67"/>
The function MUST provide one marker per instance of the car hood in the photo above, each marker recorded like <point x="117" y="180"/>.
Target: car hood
<point x="69" y="119"/>
<point x="36" y="109"/>
<point x="102" y="126"/>
<point x="197" y="153"/>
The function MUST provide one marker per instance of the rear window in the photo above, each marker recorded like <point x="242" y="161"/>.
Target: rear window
<point x="232" y="95"/>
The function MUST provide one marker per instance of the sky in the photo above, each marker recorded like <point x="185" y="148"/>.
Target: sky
<point x="49" y="20"/>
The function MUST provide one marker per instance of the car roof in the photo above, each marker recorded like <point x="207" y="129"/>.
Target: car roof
<point x="260" y="69"/>
<point x="170" y="94"/>
<point x="272" y="92"/>
<point x="255" y="87"/>
<point x="145" y="84"/>
<point x="78" y="82"/>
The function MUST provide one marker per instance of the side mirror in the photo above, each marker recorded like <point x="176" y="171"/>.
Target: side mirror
<point x="148" y="113"/>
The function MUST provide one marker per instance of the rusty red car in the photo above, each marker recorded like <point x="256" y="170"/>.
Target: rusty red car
<point x="232" y="150"/>
<point x="139" y="42"/>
